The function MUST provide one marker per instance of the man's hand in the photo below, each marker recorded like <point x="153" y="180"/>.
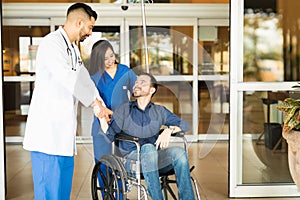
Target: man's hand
<point x="163" y="139"/>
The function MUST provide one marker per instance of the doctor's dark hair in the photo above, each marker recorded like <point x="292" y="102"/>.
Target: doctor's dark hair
<point x="86" y="8"/>
<point x="97" y="59"/>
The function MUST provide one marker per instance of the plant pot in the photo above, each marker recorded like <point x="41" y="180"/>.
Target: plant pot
<point x="293" y="139"/>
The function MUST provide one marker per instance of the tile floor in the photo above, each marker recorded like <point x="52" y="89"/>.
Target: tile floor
<point x="211" y="172"/>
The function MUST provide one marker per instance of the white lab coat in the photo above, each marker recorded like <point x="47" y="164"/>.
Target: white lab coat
<point x="52" y="118"/>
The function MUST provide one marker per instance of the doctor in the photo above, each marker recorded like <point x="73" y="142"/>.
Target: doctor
<point x="61" y="81"/>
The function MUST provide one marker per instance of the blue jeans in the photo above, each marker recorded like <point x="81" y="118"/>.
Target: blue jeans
<point x="155" y="161"/>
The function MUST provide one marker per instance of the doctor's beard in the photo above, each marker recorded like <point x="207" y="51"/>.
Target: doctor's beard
<point x="83" y="34"/>
<point x="82" y="38"/>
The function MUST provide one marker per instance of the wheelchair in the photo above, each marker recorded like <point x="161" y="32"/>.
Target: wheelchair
<point x="119" y="183"/>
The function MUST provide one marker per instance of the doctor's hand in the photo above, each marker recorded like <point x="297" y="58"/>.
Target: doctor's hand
<point x="163" y="139"/>
<point x="100" y="111"/>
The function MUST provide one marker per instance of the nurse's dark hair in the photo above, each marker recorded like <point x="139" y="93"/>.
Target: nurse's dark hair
<point x="153" y="81"/>
<point x="86" y="8"/>
<point x="97" y="59"/>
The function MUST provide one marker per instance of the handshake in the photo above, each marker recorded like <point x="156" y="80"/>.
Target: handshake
<point x="104" y="114"/>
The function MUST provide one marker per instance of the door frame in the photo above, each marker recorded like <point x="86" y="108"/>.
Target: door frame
<point x="2" y="136"/>
<point x="236" y="188"/>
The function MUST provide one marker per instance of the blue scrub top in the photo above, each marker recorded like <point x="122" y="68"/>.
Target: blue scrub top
<point x="113" y="91"/>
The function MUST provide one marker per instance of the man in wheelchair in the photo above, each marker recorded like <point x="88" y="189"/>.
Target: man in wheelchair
<point x="143" y="119"/>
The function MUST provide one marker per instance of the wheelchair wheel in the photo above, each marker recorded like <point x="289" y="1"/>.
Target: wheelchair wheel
<point x="112" y="174"/>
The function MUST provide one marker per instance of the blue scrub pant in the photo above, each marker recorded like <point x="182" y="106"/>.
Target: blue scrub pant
<point x="101" y="145"/>
<point x="52" y="176"/>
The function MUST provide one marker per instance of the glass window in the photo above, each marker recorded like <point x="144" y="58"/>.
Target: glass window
<point x="19" y="49"/>
<point x="213" y="51"/>
<point x="213" y="80"/>
<point x="265" y="158"/>
<point x="213" y="101"/>
<point x="170" y="49"/>
<point x="271" y="42"/>
<point x="263" y="46"/>
<point x="177" y="97"/>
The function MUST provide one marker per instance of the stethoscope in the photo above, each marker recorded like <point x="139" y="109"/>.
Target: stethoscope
<point x="77" y="58"/>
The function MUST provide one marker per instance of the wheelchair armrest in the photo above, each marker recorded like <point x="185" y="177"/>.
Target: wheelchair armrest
<point x="178" y="134"/>
<point x="136" y="139"/>
<point x="127" y="137"/>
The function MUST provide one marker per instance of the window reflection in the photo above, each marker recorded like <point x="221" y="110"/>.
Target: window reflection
<point x="177" y="97"/>
<point x="170" y="49"/>
<point x="20" y="44"/>
<point x="213" y="100"/>
<point x="19" y="48"/>
<point x="265" y="158"/>
<point x="271" y="41"/>
<point x="213" y="50"/>
<point x="263" y="46"/>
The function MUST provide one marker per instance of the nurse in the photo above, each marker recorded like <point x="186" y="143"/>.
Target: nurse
<point x="61" y="81"/>
<point x="115" y="83"/>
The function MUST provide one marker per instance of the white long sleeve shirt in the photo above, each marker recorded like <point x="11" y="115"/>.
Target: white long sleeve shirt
<point x="61" y="81"/>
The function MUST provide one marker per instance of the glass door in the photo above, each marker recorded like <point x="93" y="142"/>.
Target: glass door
<point x="263" y="71"/>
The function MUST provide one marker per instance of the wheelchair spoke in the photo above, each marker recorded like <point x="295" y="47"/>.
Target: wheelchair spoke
<point x="103" y="178"/>
<point x="111" y="182"/>
<point x="108" y="180"/>
<point x="109" y="196"/>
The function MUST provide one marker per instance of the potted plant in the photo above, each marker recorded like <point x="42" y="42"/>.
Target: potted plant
<point x="291" y="132"/>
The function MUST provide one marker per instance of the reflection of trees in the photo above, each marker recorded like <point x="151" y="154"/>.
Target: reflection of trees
<point x="168" y="49"/>
<point x="262" y="40"/>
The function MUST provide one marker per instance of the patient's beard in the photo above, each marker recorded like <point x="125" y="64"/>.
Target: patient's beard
<point x="136" y="95"/>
